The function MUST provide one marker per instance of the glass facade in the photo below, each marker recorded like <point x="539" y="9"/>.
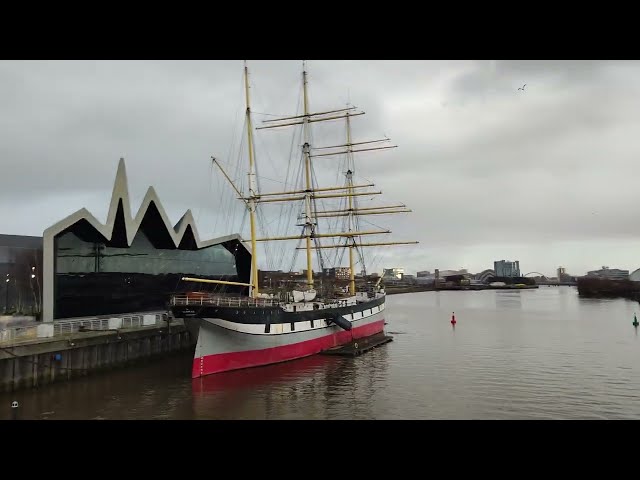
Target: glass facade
<point x="506" y="268"/>
<point x="96" y="277"/>
<point x="20" y="275"/>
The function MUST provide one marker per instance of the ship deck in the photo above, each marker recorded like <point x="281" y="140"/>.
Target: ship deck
<point x="212" y="299"/>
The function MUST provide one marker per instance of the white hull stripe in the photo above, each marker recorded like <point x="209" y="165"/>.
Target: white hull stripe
<point x="280" y="328"/>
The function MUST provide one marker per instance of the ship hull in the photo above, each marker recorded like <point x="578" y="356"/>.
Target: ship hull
<point x="225" y="344"/>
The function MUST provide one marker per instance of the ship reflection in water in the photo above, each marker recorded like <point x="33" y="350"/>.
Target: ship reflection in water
<point x="316" y="387"/>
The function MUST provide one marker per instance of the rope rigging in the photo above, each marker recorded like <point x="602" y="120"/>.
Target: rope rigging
<point x="273" y="216"/>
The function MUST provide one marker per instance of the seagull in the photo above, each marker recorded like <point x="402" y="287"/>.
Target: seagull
<point x="522" y="87"/>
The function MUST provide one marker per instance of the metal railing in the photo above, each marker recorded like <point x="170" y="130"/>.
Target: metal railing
<point x="128" y="321"/>
<point x="61" y="327"/>
<point x="74" y="325"/>
<point x="216" y="300"/>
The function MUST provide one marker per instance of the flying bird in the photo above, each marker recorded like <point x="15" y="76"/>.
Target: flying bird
<point x="522" y="87"/>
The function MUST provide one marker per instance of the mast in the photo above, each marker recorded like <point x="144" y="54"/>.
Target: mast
<point x="252" y="190"/>
<point x="352" y="276"/>
<point x="308" y="224"/>
<point x="310" y="194"/>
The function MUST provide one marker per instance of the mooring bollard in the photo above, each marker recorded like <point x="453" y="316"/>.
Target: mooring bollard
<point x="14" y="410"/>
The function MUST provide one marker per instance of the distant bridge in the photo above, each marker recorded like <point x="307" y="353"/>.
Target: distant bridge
<point x="546" y="281"/>
<point x="537" y="273"/>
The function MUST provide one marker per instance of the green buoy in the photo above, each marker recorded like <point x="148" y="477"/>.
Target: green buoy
<point x="635" y="321"/>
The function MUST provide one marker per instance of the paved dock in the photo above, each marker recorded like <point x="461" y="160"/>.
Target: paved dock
<point x="83" y="346"/>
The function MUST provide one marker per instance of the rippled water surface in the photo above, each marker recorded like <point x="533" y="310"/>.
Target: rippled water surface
<point x="531" y="354"/>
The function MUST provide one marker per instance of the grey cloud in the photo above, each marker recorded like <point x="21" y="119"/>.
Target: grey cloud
<point x="499" y="76"/>
<point x="563" y="153"/>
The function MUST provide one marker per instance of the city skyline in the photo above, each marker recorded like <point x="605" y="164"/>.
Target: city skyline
<point x="543" y="175"/>
<point x="532" y="273"/>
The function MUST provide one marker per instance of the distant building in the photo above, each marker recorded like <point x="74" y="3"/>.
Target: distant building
<point x="610" y="273"/>
<point x="563" y="276"/>
<point x="635" y="276"/>
<point x="393" y="273"/>
<point x="449" y="273"/>
<point x="424" y="273"/>
<point x="506" y="268"/>
<point x="133" y="262"/>
<point x="275" y="278"/>
<point x="341" y="273"/>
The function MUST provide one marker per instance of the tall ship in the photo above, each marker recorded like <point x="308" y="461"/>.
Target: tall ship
<point x="263" y="325"/>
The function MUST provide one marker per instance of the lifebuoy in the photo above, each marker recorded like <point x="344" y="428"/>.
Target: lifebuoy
<point x="355" y="345"/>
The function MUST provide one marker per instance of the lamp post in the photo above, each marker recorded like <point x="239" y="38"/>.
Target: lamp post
<point x="6" y="294"/>
<point x="35" y="298"/>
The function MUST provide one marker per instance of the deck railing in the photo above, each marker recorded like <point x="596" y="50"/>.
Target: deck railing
<point x="220" y="301"/>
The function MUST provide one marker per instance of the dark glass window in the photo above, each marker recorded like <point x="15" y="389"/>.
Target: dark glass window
<point x="95" y="278"/>
<point x="20" y="275"/>
<point x="74" y="255"/>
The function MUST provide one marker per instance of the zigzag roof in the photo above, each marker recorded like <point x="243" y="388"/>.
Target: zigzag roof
<point x="184" y="232"/>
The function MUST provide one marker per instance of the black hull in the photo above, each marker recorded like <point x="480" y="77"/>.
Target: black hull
<point x="268" y="315"/>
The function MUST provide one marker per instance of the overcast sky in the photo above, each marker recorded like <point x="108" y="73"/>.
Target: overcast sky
<point x="546" y="175"/>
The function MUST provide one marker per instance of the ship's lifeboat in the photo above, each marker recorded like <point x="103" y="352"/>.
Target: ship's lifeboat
<point x="304" y="296"/>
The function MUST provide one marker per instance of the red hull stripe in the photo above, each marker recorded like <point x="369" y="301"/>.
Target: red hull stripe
<point x="221" y="362"/>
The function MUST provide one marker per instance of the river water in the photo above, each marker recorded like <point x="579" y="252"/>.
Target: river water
<point x="529" y="354"/>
